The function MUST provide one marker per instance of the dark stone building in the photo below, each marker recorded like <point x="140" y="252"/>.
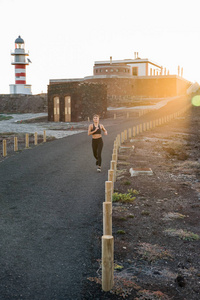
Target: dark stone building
<point x="76" y="100"/>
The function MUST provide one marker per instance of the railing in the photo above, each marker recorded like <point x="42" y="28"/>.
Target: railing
<point x="26" y="142"/>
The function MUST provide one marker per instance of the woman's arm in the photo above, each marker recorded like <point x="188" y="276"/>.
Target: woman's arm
<point x="104" y="130"/>
<point x="90" y="132"/>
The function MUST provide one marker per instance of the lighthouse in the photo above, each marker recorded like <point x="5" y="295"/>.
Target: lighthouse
<point x="20" y="62"/>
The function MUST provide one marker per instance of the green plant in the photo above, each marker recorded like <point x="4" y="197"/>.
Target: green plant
<point x="121" y="231"/>
<point x="126" y="182"/>
<point x="4" y="118"/>
<point x="122" y="219"/>
<point x="131" y="216"/>
<point x="145" y="213"/>
<point x="119" y="197"/>
<point x="118" y="267"/>
<point x="133" y="192"/>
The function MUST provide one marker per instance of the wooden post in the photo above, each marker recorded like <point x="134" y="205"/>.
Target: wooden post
<point x="108" y="191"/>
<point x="119" y="140"/>
<point x="113" y="167"/>
<point x="134" y="131"/>
<point x="114" y="157"/>
<point x="140" y="128"/>
<point x="15" y="144"/>
<point x="35" y="138"/>
<point x="107" y="262"/>
<point x="115" y="153"/>
<point x="4" y="148"/>
<point x="122" y="137"/>
<point x="107" y="218"/>
<point x="129" y="133"/>
<point x="125" y="135"/>
<point x="116" y="147"/>
<point x="27" y="140"/>
<point x="111" y="178"/>
<point x="44" y="137"/>
<point x="115" y="116"/>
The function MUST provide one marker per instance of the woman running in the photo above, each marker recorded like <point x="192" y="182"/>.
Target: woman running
<point x="97" y="142"/>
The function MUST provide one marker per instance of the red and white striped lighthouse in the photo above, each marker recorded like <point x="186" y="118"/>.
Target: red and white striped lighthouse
<point x="20" y="62"/>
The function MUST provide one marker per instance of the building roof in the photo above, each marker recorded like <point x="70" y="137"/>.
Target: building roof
<point x="127" y="62"/>
<point x="19" y="40"/>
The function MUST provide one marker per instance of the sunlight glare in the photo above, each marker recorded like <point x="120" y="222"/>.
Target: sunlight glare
<point x="196" y="100"/>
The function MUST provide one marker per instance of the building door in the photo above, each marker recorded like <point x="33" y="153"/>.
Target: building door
<point x="56" y="109"/>
<point x="67" y="109"/>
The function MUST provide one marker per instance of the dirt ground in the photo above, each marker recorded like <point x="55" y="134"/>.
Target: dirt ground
<point x="156" y="220"/>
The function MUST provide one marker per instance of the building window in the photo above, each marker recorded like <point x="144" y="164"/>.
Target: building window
<point x="96" y="71"/>
<point x="135" y="71"/>
<point x="106" y="70"/>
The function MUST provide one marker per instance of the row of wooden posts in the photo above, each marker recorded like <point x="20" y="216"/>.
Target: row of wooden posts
<point x="128" y="114"/>
<point x="107" y="238"/>
<point x="141" y="112"/>
<point x="26" y="142"/>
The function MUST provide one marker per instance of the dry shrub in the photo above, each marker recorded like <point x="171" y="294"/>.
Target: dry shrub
<point x="151" y="295"/>
<point x="182" y="234"/>
<point x="152" y="253"/>
<point x="173" y="215"/>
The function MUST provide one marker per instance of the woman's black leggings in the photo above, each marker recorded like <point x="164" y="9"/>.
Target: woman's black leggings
<point x="97" y="146"/>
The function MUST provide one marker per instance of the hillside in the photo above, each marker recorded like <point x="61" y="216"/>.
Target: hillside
<point x="23" y="103"/>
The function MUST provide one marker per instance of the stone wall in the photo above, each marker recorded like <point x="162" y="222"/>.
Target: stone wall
<point x="86" y="99"/>
<point x="23" y="103"/>
<point x="127" y="91"/>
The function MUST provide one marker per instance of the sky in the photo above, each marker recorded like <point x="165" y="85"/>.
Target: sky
<point x="64" y="38"/>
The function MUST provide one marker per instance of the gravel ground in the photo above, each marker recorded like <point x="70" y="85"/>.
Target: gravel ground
<point x="157" y="233"/>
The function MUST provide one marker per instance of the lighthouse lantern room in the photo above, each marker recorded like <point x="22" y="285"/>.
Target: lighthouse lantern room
<point x="20" y="62"/>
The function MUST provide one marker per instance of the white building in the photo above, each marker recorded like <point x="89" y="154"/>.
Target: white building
<point x="127" y="68"/>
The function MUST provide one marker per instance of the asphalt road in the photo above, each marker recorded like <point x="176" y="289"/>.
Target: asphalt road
<point x="50" y="206"/>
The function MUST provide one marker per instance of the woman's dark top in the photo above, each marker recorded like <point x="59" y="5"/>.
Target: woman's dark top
<point x="98" y="130"/>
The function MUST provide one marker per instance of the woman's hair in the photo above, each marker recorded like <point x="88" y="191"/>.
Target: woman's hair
<point x="96" y="116"/>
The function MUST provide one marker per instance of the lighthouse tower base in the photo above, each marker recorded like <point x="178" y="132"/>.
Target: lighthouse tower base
<point x="20" y="89"/>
